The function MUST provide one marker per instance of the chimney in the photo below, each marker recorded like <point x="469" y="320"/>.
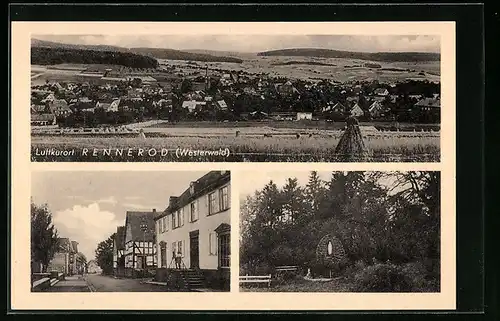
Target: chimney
<point x="172" y="200"/>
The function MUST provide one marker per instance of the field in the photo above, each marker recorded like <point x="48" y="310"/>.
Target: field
<point x="308" y="68"/>
<point x="251" y="145"/>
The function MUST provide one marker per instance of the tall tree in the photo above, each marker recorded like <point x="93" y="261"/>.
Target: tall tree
<point x="44" y="238"/>
<point x="81" y="259"/>
<point x="104" y="254"/>
<point x="314" y="194"/>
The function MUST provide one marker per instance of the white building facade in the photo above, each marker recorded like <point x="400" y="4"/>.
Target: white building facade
<point x="196" y="226"/>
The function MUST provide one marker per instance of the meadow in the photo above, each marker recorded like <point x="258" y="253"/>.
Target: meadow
<point x="248" y="148"/>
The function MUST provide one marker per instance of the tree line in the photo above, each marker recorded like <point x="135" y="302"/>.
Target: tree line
<point x="53" y="56"/>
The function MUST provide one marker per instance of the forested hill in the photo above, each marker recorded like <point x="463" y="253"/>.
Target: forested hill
<point x="53" y="56"/>
<point x="158" y="53"/>
<point x="375" y="56"/>
<point x="183" y="55"/>
<point x="58" y="45"/>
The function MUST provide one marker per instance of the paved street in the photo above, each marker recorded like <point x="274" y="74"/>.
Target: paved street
<point x="70" y="284"/>
<point x="101" y="283"/>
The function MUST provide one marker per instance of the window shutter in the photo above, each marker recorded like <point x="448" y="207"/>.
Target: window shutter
<point x="183" y="248"/>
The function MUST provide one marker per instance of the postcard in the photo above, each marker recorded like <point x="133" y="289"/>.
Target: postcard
<point x="233" y="166"/>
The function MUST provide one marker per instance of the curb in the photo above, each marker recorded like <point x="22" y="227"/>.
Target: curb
<point x="90" y="285"/>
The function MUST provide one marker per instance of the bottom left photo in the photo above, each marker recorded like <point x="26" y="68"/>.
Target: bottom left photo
<point x="130" y="231"/>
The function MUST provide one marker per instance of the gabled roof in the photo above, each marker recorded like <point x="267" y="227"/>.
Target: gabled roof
<point x="204" y="184"/>
<point x="429" y="102"/>
<point x="64" y="245"/>
<point x="135" y="220"/>
<point x="380" y="91"/>
<point x="374" y="105"/>
<point x="120" y="237"/>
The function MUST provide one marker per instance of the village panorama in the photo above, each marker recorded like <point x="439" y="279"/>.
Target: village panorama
<point x="287" y="105"/>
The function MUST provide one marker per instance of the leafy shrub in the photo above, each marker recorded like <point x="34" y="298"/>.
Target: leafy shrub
<point x="382" y="278"/>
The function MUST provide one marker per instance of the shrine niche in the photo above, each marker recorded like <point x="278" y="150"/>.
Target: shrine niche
<point x="330" y="252"/>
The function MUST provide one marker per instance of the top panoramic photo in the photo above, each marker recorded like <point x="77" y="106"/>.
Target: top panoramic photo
<point x="235" y="98"/>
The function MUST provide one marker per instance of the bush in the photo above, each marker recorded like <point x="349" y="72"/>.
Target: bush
<point x="382" y="278"/>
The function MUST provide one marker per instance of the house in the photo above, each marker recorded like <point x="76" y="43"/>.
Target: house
<point x="356" y="111"/>
<point x="381" y="92"/>
<point x="302" y="115"/>
<point x="140" y="249"/>
<point x="377" y="110"/>
<point x="65" y="259"/>
<point x="45" y="119"/>
<point x="221" y="104"/>
<point x="118" y="252"/>
<point x="104" y="106"/>
<point x="38" y="109"/>
<point x="339" y="108"/>
<point x="428" y="104"/>
<point x="114" y="105"/>
<point x="285" y="89"/>
<point x="93" y="267"/>
<point x="60" y="108"/>
<point x="191" y="105"/>
<point x="197" y="225"/>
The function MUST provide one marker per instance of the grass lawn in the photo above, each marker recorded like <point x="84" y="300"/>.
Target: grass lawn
<point x="300" y="285"/>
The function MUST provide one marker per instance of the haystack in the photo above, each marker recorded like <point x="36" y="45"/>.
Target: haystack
<point x="351" y="147"/>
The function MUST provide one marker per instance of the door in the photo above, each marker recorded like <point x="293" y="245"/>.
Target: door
<point x="194" y="250"/>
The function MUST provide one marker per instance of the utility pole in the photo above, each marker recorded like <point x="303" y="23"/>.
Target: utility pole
<point x="144" y="227"/>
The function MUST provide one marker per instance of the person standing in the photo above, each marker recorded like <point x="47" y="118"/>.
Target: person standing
<point x="178" y="260"/>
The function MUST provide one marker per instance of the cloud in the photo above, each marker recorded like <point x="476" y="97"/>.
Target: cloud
<point x="108" y="200"/>
<point x="133" y="198"/>
<point x="87" y="225"/>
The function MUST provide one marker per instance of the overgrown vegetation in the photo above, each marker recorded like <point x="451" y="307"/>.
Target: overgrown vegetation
<point x="388" y="224"/>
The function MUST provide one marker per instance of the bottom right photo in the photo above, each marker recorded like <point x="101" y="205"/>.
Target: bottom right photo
<point x="357" y="231"/>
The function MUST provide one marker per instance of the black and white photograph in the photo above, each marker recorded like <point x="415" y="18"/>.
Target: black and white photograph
<point x="235" y="98"/>
<point x="92" y="234"/>
<point x="340" y="231"/>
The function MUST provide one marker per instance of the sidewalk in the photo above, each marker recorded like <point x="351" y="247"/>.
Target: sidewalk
<point x="75" y="283"/>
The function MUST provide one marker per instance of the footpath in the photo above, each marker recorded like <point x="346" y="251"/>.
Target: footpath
<point x="75" y="283"/>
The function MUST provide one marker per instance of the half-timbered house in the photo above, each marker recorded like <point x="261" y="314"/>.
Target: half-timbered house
<point x="140" y="247"/>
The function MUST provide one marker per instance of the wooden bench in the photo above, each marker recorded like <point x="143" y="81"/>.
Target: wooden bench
<point x="287" y="268"/>
<point x="256" y="279"/>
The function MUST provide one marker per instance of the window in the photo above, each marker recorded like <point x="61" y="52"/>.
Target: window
<point x="165" y="223"/>
<point x="174" y="220"/>
<point x="193" y="215"/>
<point x="224" y="198"/>
<point x="181" y="216"/>
<point x="160" y="226"/>
<point x="163" y="254"/>
<point x="212" y="242"/>
<point x="224" y="250"/>
<point x="212" y="203"/>
<point x="174" y="249"/>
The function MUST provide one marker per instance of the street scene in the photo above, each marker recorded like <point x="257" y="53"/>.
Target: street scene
<point x="85" y="241"/>
<point x="257" y="99"/>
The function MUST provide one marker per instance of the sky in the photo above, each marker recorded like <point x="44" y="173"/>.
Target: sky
<point x="256" y="43"/>
<point x="87" y="207"/>
<point x="256" y="180"/>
